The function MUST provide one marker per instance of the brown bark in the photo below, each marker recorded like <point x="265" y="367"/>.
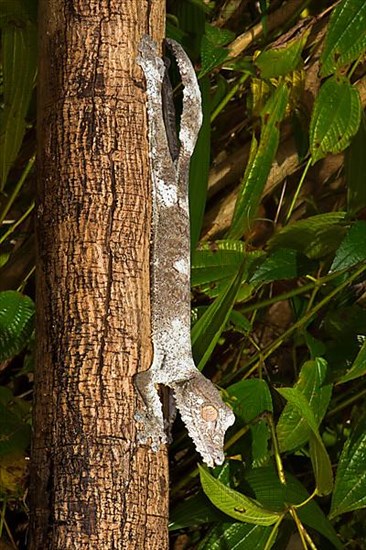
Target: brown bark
<point x="92" y="486"/>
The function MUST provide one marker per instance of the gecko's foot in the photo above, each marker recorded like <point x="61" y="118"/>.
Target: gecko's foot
<point x="150" y="431"/>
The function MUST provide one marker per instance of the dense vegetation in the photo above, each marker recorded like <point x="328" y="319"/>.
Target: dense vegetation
<point x="278" y="203"/>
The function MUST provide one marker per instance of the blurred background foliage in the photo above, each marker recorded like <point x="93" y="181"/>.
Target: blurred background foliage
<point x="278" y="227"/>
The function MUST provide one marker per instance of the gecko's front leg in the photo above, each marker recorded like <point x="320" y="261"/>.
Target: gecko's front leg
<point x="151" y="417"/>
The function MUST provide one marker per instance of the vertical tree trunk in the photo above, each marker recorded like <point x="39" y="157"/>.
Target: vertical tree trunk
<point x="91" y="486"/>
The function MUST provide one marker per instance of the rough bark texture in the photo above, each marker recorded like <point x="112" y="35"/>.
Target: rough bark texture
<point x="91" y="486"/>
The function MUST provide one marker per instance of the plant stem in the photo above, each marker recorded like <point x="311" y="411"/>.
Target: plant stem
<point x="264" y="354"/>
<point x="276" y="450"/>
<point x="346" y="403"/>
<point x="293" y="292"/>
<point x="17" y="223"/>
<point x="293" y="202"/>
<point x="17" y="188"/>
<point x="2" y="518"/>
<point x="228" y="96"/>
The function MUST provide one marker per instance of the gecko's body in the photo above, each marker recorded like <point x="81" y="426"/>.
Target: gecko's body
<point x="199" y="402"/>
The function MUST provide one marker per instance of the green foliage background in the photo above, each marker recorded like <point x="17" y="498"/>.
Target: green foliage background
<point x="278" y="205"/>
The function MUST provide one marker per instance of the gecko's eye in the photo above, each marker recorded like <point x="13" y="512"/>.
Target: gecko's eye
<point x="209" y="413"/>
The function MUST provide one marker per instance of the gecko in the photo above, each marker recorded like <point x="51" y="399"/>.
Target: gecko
<point x="199" y="402"/>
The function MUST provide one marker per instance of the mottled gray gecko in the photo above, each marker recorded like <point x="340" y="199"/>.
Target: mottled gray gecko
<point x="198" y="401"/>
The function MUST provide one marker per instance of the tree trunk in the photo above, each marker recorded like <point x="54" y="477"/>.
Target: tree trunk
<point x="91" y="485"/>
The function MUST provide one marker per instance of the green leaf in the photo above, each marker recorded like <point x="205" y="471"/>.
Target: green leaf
<point x="346" y="36"/>
<point x="335" y="119"/>
<point x="208" y="328"/>
<point x="16" y="322"/>
<point x="358" y="367"/>
<point x="350" y="483"/>
<point x="212" y="56"/>
<point x="239" y="322"/>
<point x="293" y="429"/>
<point x="235" y="504"/>
<point x="250" y="399"/>
<point x="281" y="264"/>
<point x="315" y="237"/>
<point x="238" y="536"/>
<point x="267" y="488"/>
<point x="352" y="249"/>
<point x="318" y="454"/>
<point x="355" y="171"/>
<point x="259" y="164"/>
<point x="218" y="36"/>
<point x="280" y="61"/>
<point x="19" y="63"/>
<point x="199" y="166"/>
<point x="215" y="261"/>
<point x="214" y="265"/>
<point x="192" y="511"/>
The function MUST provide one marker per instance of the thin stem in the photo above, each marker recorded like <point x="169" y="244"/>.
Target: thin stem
<point x="276" y="450"/>
<point x="17" y="188"/>
<point x="295" y="197"/>
<point x="8" y="532"/>
<point x="298" y="324"/>
<point x="228" y="96"/>
<point x="2" y="518"/>
<point x="346" y="403"/>
<point x="17" y="223"/>
<point x="293" y="292"/>
<point x="354" y="66"/>
<point x="236" y="436"/>
<point x="24" y="282"/>
<point x="304" y="502"/>
<point x="300" y="528"/>
<point x="273" y="535"/>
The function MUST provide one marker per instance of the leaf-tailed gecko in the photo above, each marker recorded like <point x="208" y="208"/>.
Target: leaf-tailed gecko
<point x="197" y="399"/>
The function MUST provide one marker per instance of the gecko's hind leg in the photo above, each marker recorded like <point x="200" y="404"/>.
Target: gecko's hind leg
<point x="150" y="414"/>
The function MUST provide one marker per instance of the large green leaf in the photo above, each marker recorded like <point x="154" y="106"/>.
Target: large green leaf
<point x="358" y="367"/>
<point x="234" y="504"/>
<point x="208" y="328"/>
<point x="212" y="52"/>
<point x="281" y="264"/>
<point x="319" y="456"/>
<point x="293" y="429"/>
<point x="16" y="322"/>
<point x="315" y="237"/>
<point x="250" y="399"/>
<point x="335" y="119"/>
<point x="237" y="536"/>
<point x="194" y="511"/>
<point x="353" y="247"/>
<point x="19" y="63"/>
<point x="356" y="170"/>
<point x="346" y="36"/>
<point x="267" y="488"/>
<point x="350" y="484"/>
<point x="214" y="265"/>
<point x="260" y="163"/>
<point x="200" y="162"/>
<point x="280" y="61"/>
